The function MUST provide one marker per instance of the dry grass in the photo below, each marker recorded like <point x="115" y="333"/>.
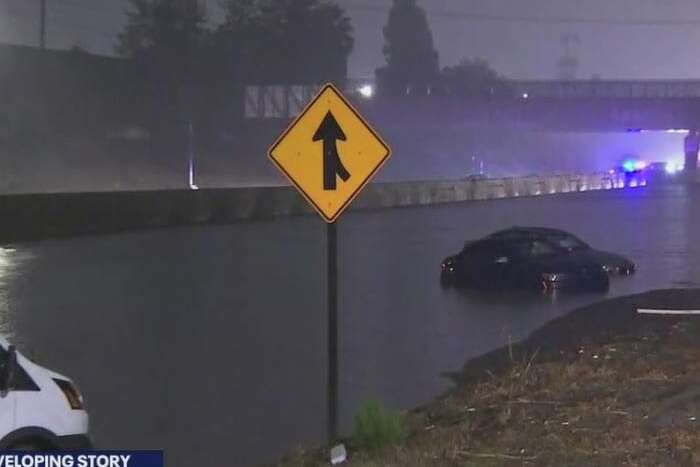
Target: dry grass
<point x="630" y="402"/>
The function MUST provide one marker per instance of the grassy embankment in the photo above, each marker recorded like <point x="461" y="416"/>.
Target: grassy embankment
<point x="576" y="393"/>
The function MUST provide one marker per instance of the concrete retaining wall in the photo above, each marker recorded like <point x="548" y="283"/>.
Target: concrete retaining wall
<point x="29" y="217"/>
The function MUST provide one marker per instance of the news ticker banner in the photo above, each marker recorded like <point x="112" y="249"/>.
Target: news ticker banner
<point x="82" y="459"/>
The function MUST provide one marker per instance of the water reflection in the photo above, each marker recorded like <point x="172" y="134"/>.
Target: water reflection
<point x="12" y="263"/>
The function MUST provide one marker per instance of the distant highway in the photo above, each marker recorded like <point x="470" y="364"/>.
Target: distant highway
<point x="210" y="341"/>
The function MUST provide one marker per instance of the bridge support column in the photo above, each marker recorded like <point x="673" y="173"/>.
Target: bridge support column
<point x="692" y="146"/>
<point x="691" y="162"/>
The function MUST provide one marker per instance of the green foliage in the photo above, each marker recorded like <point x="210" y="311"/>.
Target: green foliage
<point x="292" y="41"/>
<point x="260" y="41"/>
<point x="161" y="25"/>
<point x="165" y="38"/>
<point x="409" y="50"/>
<point x="474" y="78"/>
<point x="376" y="427"/>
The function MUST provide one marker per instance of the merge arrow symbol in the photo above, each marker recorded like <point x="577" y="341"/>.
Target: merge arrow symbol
<point x="329" y="132"/>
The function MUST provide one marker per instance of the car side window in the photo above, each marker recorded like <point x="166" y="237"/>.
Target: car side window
<point x="3" y="359"/>
<point x="523" y="249"/>
<point x="21" y="381"/>
<point x="539" y="248"/>
<point x="567" y="242"/>
<point x="533" y="249"/>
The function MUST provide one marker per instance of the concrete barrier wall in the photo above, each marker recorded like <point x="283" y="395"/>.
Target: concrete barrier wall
<point x="29" y="217"/>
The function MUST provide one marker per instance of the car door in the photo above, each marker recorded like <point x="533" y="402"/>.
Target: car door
<point x="521" y="271"/>
<point x="485" y="263"/>
<point x="8" y="402"/>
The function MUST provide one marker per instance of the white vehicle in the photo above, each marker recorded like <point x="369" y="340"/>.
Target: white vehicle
<point x="39" y="409"/>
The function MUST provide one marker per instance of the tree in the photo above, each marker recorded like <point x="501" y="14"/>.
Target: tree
<point x="474" y="78"/>
<point x="411" y="58"/>
<point x="164" y="37"/>
<point x="286" y="41"/>
<point x="236" y="39"/>
<point x="165" y="41"/>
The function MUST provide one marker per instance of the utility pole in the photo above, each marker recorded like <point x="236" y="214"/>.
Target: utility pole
<point x="42" y="24"/>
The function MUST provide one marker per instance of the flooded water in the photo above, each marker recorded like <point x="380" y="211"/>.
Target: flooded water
<point x="210" y="342"/>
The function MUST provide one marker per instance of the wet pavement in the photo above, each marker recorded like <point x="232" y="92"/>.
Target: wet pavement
<point x="209" y="342"/>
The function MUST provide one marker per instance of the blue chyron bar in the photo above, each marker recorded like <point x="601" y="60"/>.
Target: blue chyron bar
<point x="82" y="459"/>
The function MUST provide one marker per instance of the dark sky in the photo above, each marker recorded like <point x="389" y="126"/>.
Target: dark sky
<point x="641" y="39"/>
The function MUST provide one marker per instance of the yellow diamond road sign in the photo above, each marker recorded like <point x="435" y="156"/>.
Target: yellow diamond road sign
<point x="329" y="153"/>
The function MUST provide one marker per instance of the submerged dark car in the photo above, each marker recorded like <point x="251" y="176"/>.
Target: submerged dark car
<point x="521" y="262"/>
<point x="565" y="242"/>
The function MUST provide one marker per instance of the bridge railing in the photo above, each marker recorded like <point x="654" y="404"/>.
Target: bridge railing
<point x="610" y="89"/>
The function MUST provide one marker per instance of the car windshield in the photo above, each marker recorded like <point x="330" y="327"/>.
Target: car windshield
<point x="567" y="242"/>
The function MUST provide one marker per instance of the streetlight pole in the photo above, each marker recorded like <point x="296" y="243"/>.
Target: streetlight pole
<point x="190" y="157"/>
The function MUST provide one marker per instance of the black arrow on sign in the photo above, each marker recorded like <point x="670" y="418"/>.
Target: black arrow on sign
<point x="329" y="131"/>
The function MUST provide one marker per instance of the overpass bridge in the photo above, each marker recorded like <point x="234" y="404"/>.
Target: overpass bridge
<point x="551" y="105"/>
<point x="424" y="123"/>
<point x="590" y="105"/>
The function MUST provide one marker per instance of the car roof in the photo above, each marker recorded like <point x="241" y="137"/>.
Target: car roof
<point x="517" y="230"/>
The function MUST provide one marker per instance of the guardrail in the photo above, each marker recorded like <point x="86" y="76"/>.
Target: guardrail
<point x="436" y="192"/>
<point x="29" y="217"/>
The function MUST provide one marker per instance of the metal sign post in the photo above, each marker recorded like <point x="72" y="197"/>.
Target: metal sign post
<point x="332" y="285"/>
<point x="330" y="153"/>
